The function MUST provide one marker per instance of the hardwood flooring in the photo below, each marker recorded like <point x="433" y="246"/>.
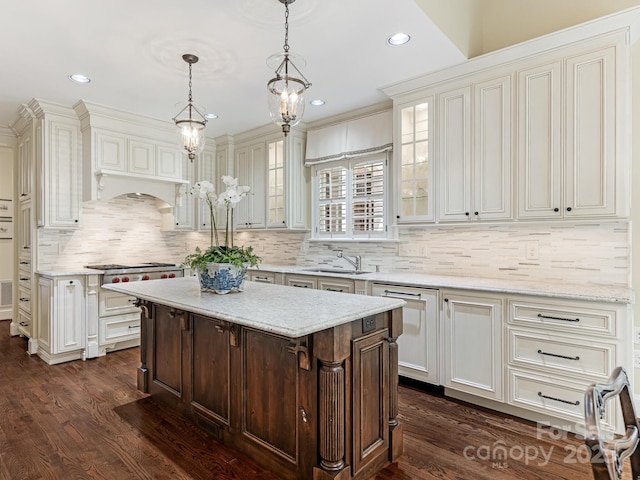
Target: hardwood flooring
<point x="86" y="420"/>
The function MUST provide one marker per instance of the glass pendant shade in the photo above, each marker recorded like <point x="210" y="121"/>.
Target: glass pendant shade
<point x="190" y="121"/>
<point x="190" y="130"/>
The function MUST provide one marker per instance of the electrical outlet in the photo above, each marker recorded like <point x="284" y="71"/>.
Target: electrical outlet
<point x="636" y="359"/>
<point x="532" y="250"/>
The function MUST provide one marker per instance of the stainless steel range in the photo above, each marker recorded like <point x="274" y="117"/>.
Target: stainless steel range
<point x="116" y="323"/>
<point x="116" y="273"/>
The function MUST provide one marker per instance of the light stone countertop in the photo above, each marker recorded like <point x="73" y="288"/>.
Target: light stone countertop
<point x="591" y="292"/>
<point x="288" y="311"/>
<point x="69" y="272"/>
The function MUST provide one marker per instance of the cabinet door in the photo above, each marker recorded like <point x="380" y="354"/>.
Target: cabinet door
<point x="454" y="161"/>
<point x="110" y="151"/>
<point x="415" y="193"/>
<point x="60" y="205"/>
<point x="418" y="346"/>
<point x="276" y="188"/>
<point x="68" y="319"/>
<point x="473" y="344"/>
<point x="184" y="211"/>
<point x="141" y="156"/>
<point x="169" y="161"/>
<point x="301" y="281"/>
<point x="251" y="168"/>
<point x="539" y="145"/>
<point x="24" y="228"/>
<point x="207" y="170"/>
<point x="25" y="166"/>
<point x="590" y="132"/>
<point x="492" y="155"/>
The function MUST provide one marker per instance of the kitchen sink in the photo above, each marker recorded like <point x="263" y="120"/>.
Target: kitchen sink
<point x="334" y="270"/>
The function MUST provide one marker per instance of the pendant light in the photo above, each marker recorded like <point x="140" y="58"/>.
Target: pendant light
<point x="190" y="121"/>
<point x="286" y="90"/>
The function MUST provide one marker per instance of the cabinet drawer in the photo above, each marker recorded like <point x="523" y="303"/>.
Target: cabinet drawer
<point x="119" y="328"/>
<point x="113" y="303"/>
<point x="555" y="396"/>
<point x="24" y="299"/>
<point x="336" y="285"/>
<point x="262" y="277"/>
<point x="24" y="279"/>
<point x="301" y="281"/>
<point x="563" y="354"/>
<point x="554" y="315"/>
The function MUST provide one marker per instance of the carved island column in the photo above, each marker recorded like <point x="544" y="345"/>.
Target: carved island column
<point x="332" y="347"/>
<point x="395" y="427"/>
<point x="143" y="370"/>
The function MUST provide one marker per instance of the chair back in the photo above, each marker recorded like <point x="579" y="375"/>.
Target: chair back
<point x="607" y="456"/>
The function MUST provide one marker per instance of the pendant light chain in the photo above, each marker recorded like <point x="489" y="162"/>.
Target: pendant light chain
<point x="286" y="27"/>
<point x="190" y="97"/>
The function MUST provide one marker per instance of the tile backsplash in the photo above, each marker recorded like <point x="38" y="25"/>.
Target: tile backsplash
<point x="127" y="229"/>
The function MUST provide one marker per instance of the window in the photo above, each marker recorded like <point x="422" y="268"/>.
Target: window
<point x="350" y="199"/>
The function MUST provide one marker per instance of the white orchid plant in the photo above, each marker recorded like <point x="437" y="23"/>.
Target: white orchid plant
<point x="226" y="200"/>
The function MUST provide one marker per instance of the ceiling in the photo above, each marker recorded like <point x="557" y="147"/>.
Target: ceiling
<point x="132" y="51"/>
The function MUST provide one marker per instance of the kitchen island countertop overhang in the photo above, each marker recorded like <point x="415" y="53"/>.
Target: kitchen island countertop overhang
<point x="287" y="311"/>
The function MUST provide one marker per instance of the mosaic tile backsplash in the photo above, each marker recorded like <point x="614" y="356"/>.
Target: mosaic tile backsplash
<point x="128" y="229"/>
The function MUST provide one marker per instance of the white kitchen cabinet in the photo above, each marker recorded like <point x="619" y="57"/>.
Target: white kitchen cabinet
<point x="251" y="168"/>
<point x="331" y="284"/>
<point x="300" y="281"/>
<point x="262" y="277"/>
<point x="474" y="162"/>
<point x="118" y="323"/>
<point x="110" y="151"/>
<point x="415" y="170"/>
<point x="473" y="343"/>
<point x="418" y="346"/>
<point x="25" y="164"/>
<point x="61" y="318"/>
<point x="207" y="170"/>
<point x="567" y="156"/>
<point x="58" y="151"/>
<point x="184" y="212"/>
<point x="273" y="166"/>
<point x="557" y="347"/>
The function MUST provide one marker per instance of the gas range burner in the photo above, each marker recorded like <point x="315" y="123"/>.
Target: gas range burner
<point x="119" y="266"/>
<point x="108" y="266"/>
<point x="116" y="272"/>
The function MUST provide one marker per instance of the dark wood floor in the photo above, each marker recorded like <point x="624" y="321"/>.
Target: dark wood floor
<point x="86" y="420"/>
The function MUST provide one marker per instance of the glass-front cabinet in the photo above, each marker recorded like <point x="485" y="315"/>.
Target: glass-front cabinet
<point x="275" y="195"/>
<point x="415" y="170"/>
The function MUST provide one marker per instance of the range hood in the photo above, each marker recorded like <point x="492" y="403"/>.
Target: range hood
<point x="111" y="183"/>
<point x="125" y="153"/>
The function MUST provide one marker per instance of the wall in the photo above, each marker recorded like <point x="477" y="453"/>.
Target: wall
<point x="127" y="229"/>
<point x="6" y="246"/>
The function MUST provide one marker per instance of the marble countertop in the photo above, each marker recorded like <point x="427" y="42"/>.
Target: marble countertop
<point x="590" y="292"/>
<point x="288" y="311"/>
<point x="68" y="272"/>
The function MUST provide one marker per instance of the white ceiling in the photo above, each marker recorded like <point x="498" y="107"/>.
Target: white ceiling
<point x="132" y="51"/>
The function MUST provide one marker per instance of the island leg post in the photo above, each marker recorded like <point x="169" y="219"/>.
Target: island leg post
<point x="396" y="445"/>
<point x="143" y="371"/>
<point x="332" y="347"/>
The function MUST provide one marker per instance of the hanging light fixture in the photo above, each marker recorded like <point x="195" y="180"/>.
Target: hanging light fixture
<point x="190" y="121"/>
<point x="286" y="91"/>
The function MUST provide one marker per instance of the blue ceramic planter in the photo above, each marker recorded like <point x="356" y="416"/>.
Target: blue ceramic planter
<point x="221" y="278"/>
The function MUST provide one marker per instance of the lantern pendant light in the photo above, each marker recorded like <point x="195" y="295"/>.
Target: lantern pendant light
<point x="190" y="121"/>
<point x="286" y="90"/>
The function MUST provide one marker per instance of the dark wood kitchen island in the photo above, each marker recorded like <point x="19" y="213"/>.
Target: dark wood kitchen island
<point x="303" y="381"/>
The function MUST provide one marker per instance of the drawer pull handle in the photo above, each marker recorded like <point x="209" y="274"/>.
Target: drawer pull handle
<point x="262" y="279"/>
<point x="577" y="402"/>
<point x="406" y="294"/>
<point x="333" y="289"/>
<point x="131" y="327"/>
<point x="558" y="356"/>
<point x="24" y="324"/>
<point x="558" y="318"/>
<point x="299" y="286"/>
<point x="23" y="299"/>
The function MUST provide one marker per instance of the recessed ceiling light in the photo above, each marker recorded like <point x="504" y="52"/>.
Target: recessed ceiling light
<point x="398" y="39"/>
<point x="317" y="102"/>
<point x="210" y="116"/>
<point x="79" y="78"/>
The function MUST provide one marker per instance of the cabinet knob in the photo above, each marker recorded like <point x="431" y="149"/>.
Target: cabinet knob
<point x="76" y="220"/>
<point x="466" y="213"/>
<point x="398" y="217"/>
<point x="568" y="209"/>
<point x="475" y="213"/>
<point x="446" y="300"/>
<point x="556" y="209"/>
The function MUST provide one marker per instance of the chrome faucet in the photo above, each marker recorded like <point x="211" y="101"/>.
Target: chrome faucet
<point x="357" y="262"/>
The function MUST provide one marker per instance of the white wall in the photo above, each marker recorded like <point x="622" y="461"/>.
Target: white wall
<point x="6" y="246"/>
